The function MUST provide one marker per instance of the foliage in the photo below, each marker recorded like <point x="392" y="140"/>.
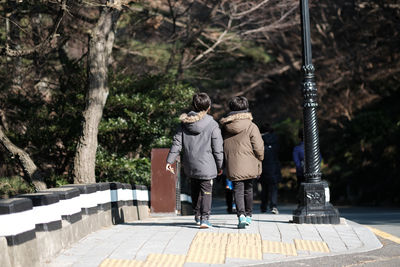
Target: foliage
<point x="111" y="167"/>
<point x="141" y="112"/>
<point x="11" y="186"/>
<point x="355" y="52"/>
<point x="364" y="156"/>
<point x="48" y="128"/>
<point x="257" y="53"/>
<point x="286" y="131"/>
<point x="53" y="180"/>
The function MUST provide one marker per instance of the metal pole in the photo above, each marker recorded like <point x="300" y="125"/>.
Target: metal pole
<point x="314" y="206"/>
<point x="312" y="171"/>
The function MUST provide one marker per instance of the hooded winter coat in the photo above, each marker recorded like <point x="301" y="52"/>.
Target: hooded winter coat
<point x="199" y="136"/>
<point x="243" y="146"/>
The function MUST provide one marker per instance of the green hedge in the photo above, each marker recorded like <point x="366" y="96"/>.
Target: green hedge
<point x="111" y="167"/>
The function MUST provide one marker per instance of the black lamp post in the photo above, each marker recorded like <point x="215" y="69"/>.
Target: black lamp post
<point x="314" y="204"/>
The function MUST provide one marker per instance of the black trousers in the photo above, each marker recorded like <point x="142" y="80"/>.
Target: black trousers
<point x="201" y="198"/>
<point x="243" y="192"/>
<point x="269" y="195"/>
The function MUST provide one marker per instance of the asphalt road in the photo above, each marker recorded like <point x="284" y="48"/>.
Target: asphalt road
<point x="387" y="256"/>
<point x="384" y="219"/>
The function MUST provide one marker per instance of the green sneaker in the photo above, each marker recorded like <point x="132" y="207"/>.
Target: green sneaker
<point x="248" y="220"/>
<point x="242" y="222"/>
<point x="205" y="224"/>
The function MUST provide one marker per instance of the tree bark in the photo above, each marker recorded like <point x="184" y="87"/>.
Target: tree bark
<point x="32" y="174"/>
<point x="100" y="47"/>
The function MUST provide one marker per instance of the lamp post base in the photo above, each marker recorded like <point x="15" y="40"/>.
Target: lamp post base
<point x="314" y="205"/>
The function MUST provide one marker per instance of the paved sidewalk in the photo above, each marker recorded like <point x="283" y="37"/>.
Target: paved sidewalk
<point x="177" y="241"/>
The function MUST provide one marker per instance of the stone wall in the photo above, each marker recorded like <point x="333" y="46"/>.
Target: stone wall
<point x="35" y="227"/>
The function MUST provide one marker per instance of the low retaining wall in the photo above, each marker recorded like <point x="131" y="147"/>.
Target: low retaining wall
<point x="35" y="227"/>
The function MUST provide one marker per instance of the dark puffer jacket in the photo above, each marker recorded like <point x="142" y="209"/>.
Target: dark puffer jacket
<point x="199" y="136"/>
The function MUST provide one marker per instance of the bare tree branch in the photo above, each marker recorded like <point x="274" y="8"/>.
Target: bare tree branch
<point x="50" y="43"/>
<point x="247" y="12"/>
<point x="32" y="174"/>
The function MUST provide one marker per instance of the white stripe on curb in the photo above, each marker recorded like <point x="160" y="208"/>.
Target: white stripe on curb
<point x="47" y="213"/>
<point x="140" y="195"/>
<point x="16" y="223"/>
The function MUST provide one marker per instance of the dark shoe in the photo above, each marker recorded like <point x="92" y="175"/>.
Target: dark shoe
<point x="263" y="208"/>
<point x="275" y="210"/>
<point x="197" y="220"/>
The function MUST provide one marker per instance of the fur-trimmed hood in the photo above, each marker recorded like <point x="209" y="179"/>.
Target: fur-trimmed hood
<point x="195" y="122"/>
<point x="192" y="116"/>
<point x="236" y="116"/>
<point x="237" y="122"/>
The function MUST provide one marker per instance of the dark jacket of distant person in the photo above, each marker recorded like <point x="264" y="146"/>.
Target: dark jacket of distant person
<point x="271" y="166"/>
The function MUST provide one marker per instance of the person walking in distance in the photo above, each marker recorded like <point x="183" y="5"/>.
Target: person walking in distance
<point x="230" y="203"/>
<point x="271" y="170"/>
<point x="298" y="158"/>
<point x="244" y="151"/>
<point x="199" y="136"/>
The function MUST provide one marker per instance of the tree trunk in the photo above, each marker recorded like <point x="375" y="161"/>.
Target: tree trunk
<point x="100" y="47"/>
<point x="32" y="174"/>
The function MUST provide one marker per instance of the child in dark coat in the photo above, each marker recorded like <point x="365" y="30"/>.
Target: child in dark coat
<point x="199" y="136"/>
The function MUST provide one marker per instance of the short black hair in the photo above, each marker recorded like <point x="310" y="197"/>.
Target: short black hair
<point x="201" y="102"/>
<point x="238" y="103"/>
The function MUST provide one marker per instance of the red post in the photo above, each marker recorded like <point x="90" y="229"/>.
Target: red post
<point x="163" y="183"/>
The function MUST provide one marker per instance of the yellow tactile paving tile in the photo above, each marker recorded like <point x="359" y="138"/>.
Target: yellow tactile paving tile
<point x="164" y="260"/>
<point x="275" y="247"/>
<point x="121" y="263"/>
<point x="152" y="260"/>
<point x="214" y="248"/>
<point x="208" y="248"/>
<point x="311" y="245"/>
<point x="244" y="246"/>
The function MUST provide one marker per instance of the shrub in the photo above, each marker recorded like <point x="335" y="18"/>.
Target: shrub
<point x="11" y="186"/>
<point x="111" y="167"/>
